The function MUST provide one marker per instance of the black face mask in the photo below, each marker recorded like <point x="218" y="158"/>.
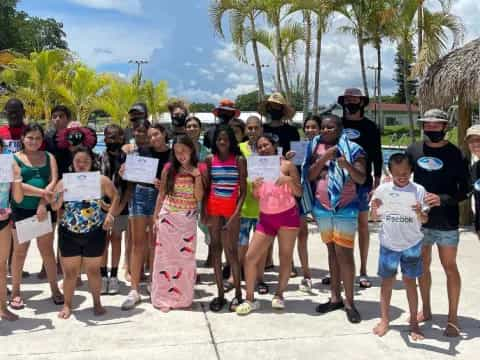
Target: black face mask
<point x="225" y="116"/>
<point x="179" y="120"/>
<point x="434" y="136"/>
<point x="275" y="114"/>
<point x="113" y="147"/>
<point x="353" y="108"/>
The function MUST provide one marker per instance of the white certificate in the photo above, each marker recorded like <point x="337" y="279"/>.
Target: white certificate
<point x="6" y="171"/>
<point x="266" y="167"/>
<point x="300" y="147"/>
<point x="31" y="228"/>
<point x="397" y="202"/>
<point x="81" y="186"/>
<point x="140" y="169"/>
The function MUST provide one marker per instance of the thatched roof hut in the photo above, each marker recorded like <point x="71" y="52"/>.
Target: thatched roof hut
<point x="454" y="78"/>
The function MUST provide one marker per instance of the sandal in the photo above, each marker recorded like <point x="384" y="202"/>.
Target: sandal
<point x="364" y="282"/>
<point x="329" y="307"/>
<point x="17" y="303"/>
<point x="234" y="304"/>
<point x="262" y="288"/>
<point x="228" y="286"/>
<point x="452" y="334"/>
<point x="247" y="307"/>
<point x="58" y="299"/>
<point x="217" y="304"/>
<point x="353" y="315"/>
<point x="326" y="280"/>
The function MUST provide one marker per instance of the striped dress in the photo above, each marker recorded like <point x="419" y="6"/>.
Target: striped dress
<point x="224" y="188"/>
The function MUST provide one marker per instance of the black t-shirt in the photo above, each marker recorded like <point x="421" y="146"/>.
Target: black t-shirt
<point x="285" y="133"/>
<point x="442" y="171"/>
<point x="163" y="158"/>
<point x="366" y="134"/>
<point x="63" y="156"/>
<point x="475" y="176"/>
<point x="109" y="167"/>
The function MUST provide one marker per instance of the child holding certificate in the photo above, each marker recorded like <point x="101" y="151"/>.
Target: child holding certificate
<point x="82" y="233"/>
<point x="6" y="232"/>
<point x="400" y="238"/>
<point x="279" y="217"/>
<point x="174" y="269"/>
<point x="227" y="184"/>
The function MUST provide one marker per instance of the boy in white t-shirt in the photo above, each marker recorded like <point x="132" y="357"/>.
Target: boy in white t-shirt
<point x="402" y="217"/>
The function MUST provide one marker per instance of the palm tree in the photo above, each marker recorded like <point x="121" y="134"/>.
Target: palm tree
<point x="435" y="39"/>
<point x="272" y="9"/>
<point x="357" y="13"/>
<point x="38" y="80"/>
<point x="243" y="28"/>
<point x="155" y="96"/>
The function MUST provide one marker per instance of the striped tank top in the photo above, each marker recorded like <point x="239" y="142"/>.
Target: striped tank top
<point x="224" y="188"/>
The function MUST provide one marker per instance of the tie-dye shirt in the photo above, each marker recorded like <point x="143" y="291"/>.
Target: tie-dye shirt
<point x="82" y="216"/>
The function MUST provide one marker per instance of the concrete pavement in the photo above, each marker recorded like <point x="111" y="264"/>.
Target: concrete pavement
<point x="297" y="333"/>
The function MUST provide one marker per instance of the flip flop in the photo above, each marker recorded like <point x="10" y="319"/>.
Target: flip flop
<point x="364" y="282"/>
<point x="17" y="303"/>
<point x="452" y="325"/>
<point x="234" y="304"/>
<point x="58" y="299"/>
<point x="353" y="315"/>
<point x="217" y="304"/>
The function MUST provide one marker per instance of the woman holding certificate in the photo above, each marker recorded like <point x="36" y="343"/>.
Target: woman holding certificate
<point x="82" y="232"/>
<point x="39" y="173"/>
<point x="142" y="206"/>
<point x="279" y="217"/>
<point x="181" y="189"/>
<point x="15" y="188"/>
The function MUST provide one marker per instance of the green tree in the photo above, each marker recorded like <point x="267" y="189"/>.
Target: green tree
<point x="155" y="96"/>
<point x="412" y="83"/>
<point x="247" y="102"/>
<point x="203" y="107"/>
<point x="243" y="28"/>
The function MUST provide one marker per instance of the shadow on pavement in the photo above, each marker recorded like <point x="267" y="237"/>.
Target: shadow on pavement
<point x="30" y="325"/>
<point x="113" y="313"/>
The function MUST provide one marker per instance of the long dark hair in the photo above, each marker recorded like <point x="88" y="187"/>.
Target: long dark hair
<point x="162" y="129"/>
<point x="233" y="149"/>
<point x="315" y="118"/>
<point x="175" y="164"/>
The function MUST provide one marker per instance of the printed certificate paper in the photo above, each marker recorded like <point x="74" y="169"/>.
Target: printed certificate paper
<point x="266" y="167"/>
<point x="300" y="147"/>
<point x="6" y="171"/>
<point x="140" y="169"/>
<point x="31" y="228"/>
<point x="397" y="202"/>
<point x="82" y="186"/>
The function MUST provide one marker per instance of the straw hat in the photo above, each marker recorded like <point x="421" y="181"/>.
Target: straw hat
<point x="277" y="98"/>
<point x="226" y="105"/>
<point x="355" y="93"/>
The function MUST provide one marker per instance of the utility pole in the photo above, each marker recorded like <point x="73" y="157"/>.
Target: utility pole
<point x="139" y="66"/>
<point x="375" y="93"/>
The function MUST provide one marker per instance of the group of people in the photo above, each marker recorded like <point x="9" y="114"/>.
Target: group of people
<point x="205" y="184"/>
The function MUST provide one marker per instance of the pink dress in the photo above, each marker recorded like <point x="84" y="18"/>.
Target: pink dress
<point x="174" y="268"/>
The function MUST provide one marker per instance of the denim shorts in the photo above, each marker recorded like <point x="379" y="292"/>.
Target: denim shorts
<point x="364" y="198"/>
<point x="440" y="237"/>
<point x="338" y="227"/>
<point x="143" y="201"/>
<point x="410" y="261"/>
<point x="246" y="227"/>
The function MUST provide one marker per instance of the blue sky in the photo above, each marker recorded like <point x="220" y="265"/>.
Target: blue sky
<point x="177" y="39"/>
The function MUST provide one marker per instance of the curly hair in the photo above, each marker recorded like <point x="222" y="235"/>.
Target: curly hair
<point x="177" y="103"/>
<point x="233" y="149"/>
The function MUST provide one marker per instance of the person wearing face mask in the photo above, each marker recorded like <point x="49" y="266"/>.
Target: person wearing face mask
<point x="278" y="112"/>
<point x="224" y="112"/>
<point x="365" y="133"/>
<point x="178" y="113"/>
<point x="137" y="112"/>
<point x="442" y="169"/>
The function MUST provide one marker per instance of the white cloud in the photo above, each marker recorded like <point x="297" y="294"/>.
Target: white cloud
<point x="208" y="74"/>
<point x="130" y="7"/>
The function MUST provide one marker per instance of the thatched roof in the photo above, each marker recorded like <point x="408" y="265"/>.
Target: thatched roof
<point x="454" y="76"/>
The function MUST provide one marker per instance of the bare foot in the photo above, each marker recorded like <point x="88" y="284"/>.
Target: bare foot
<point x="381" y="328"/>
<point x="99" y="310"/>
<point x="65" y="313"/>
<point x="424" y="316"/>
<point x="6" y="314"/>
<point x="415" y="333"/>
<point x="452" y="330"/>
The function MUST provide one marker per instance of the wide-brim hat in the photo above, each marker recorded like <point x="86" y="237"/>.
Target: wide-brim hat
<point x="355" y="92"/>
<point x="277" y="98"/>
<point x="226" y="105"/>
<point x="434" y="115"/>
<point x="77" y="135"/>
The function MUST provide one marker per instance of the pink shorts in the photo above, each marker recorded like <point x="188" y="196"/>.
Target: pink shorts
<point x="269" y="224"/>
